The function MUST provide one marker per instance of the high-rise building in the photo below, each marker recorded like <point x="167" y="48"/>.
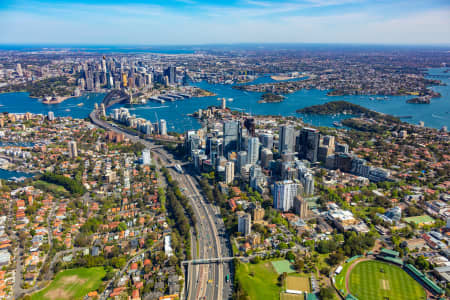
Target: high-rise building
<point x="284" y="193"/>
<point x="170" y="72"/>
<point x="301" y="207"/>
<point x="286" y="141"/>
<point x="162" y="127"/>
<point x="73" y="152"/>
<point x="230" y="136"/>
<point x="267" y="140"/>
<point x="229" y="172"/>
<point x="258" y="214"/>
<point x="308" y="144"/>
<point x="266" y="157"/>
<point x="51" y="116"/>
<point x="241" y="159"/>
<point x="146" y="157"/>
<point x="224" y="103"/>
<point x="244" y="223"/>
<point x="253" y="150"/>
<point x="19" y="70"/>
<point x="341" y="148"/>
<point x="103" y="110"/>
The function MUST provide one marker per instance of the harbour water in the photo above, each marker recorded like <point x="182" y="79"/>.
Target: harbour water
<point x="436" y="114"/>
<point x="11" y="175"/>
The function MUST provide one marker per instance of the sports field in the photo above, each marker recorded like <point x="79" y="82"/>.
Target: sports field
<point x="72" y="284"/>
<point x="259" y="280"/>
<point x="282" y="266"/>
<point x="286" y="296"/>
<point x="375" y="280"/>
<point x="298" y="283"/>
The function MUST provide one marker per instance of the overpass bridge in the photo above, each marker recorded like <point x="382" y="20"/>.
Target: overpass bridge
<point x="210" y="260"/>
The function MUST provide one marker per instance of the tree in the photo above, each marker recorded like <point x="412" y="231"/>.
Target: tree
<point x="326" y="293"/>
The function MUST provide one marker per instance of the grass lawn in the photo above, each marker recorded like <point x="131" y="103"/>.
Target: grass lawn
<point x="72" y="284"/>
<point x="340" y="278"/>
<point x="282" y="266"/>
<point x="374" y="280"/>
<point x="260" y="281"/>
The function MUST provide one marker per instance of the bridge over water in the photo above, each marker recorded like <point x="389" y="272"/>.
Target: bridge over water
<point x="116" y="96"/>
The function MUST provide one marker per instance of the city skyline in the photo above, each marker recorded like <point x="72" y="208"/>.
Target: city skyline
<point x="184" y="22"/>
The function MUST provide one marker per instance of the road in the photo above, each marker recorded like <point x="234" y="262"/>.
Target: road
<point x="203" y="281"/>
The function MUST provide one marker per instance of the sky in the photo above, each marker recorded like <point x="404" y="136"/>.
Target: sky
<point x="191" y="22"/>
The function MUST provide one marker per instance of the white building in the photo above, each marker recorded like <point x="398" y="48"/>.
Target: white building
<point x="244" y="223"/>
<point x="253" y="150"/>
<point x="229" y="172"/>
<point x="146" y="157"/>
<point x="163" y="127"/>
<point x="284" y="193"/>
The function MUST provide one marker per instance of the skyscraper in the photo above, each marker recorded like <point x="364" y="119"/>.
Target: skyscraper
<point x="253" y="150"/>
<point x="19" y="70"/>
<point x="73" y="152"/>
<point x="230" y="136"/>
<point x="308" y="144"/>
<point x="170" y="72"/>
<point x="284" y="193"/>
<point x="266" y="140"/>
<point x="286" y="139"/>
<point x="301" y="206"/>
<point x="224" y="103"/>
<point x="163" y="127"/>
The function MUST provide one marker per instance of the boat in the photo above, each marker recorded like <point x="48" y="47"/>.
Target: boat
<point x="337" y="124"/>
<point x="230" y="99"/>
<point x="67" y="109"/>
<point x="80" y="104"/>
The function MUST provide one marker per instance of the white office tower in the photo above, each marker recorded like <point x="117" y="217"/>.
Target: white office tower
<point x="286" y="139"/>
<point x="253" y="150"/>
<point x="162" y="127"/>
<point x="146" y="157"/>
<point x="224" y="103"/>
<point x="116" y="113"/>
<point x="244" y="223"/>
<point x="308" y="184"/>
<point x="104" y="65"/>
<point x="73" y="152"/>
<point x="284" y="193"/>
<point x="229" y="172"/>
<point x="19" y="70"/>
<point x="51" y="116"/>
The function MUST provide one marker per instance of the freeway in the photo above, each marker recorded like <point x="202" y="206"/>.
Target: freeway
<point x="206" y="281"/>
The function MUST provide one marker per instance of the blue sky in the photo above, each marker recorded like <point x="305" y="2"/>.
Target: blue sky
<point x="233" y="21"/>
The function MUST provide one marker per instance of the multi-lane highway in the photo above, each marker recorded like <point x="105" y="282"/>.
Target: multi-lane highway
<point x="205" y="281"/>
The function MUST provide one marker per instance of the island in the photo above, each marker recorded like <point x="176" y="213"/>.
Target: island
<point x="346" y="108"/>
<point x="271" y="98"/>
<point x="419" y="100"/>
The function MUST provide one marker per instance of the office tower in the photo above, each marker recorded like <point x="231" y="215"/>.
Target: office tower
<point x="229" y="172"/>
<point x="104" y="65"/>
<point x="341" y="148"/>
<point x="170" y="72"/>
<point x="230" y="136"/>
<point x="124" y="80"/>
<point x="244" y="223"/>
<point x="301" y="207"/>
<point x="242" y="159"/>
<point x="253" y="150"/>
<point x="146" y="157"/>
<point x="266" y="157"/>
<point x="308" y="184"/>
<point x="286" y="141"/>
<point x="51" y="116"/>
<point x="308" y="144"/>
<point x="73" y="152"/>
<point x="284" y="193"/>
<point x="328" y="141"/>
<point x="19" y="70"/>
<point x="163" y="127"/>
<point x="266" y="140"/>
<point x="214" y="148"/>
